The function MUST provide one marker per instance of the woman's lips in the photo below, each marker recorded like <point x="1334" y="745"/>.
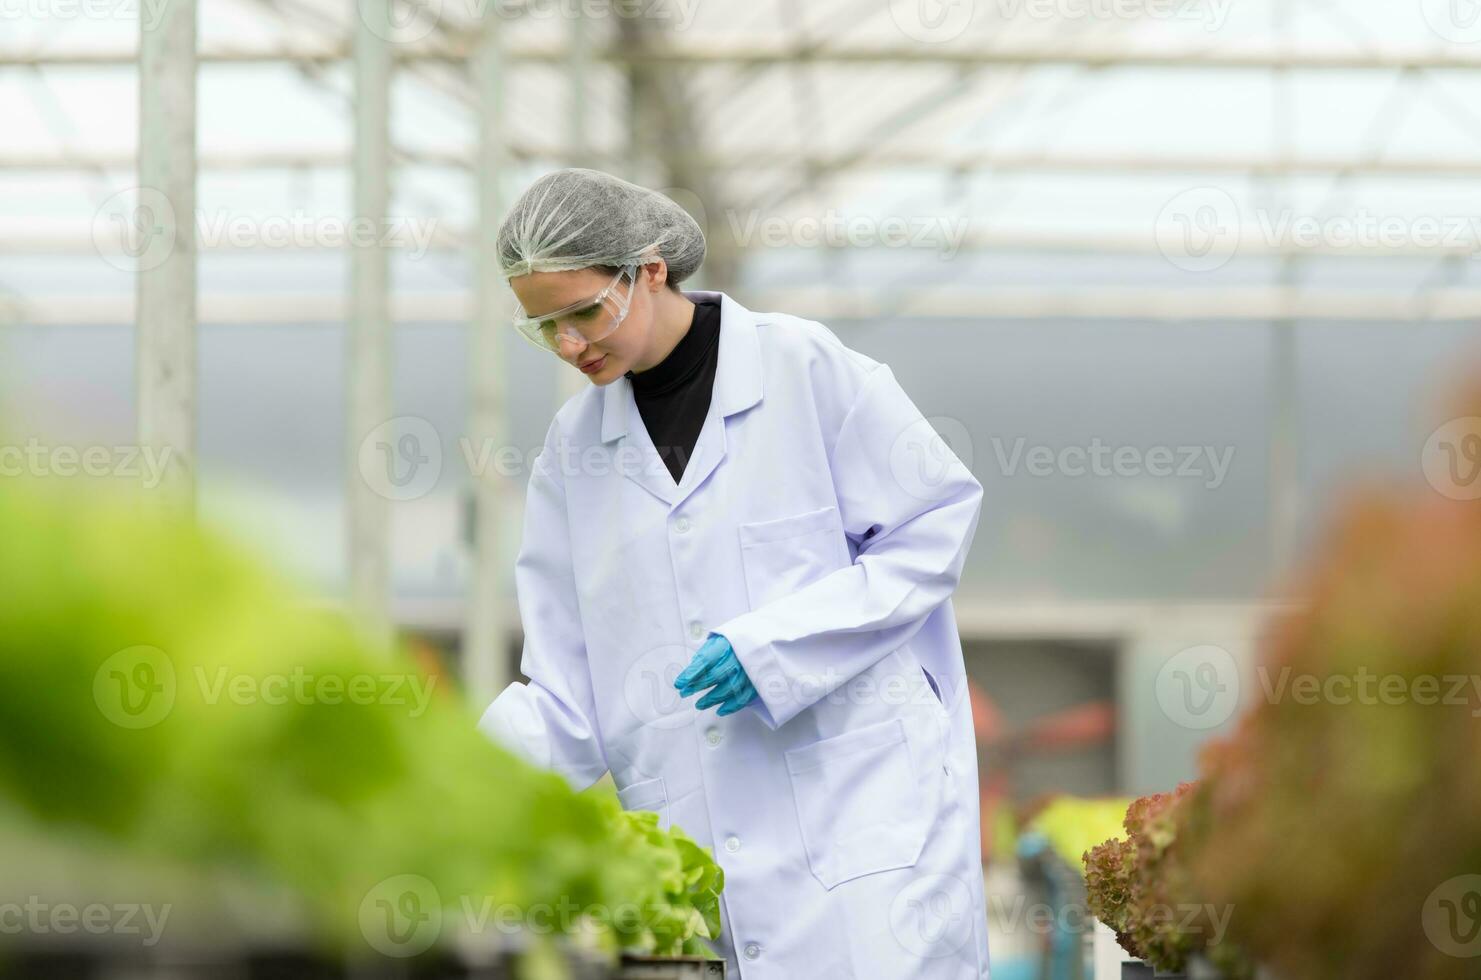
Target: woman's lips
<point x="595" y="365"/>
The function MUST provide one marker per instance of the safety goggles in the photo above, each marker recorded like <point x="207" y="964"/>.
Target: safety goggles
<point x="583" y="322"/>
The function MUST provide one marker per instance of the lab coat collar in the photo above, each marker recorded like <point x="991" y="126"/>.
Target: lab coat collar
<point x="737" y="369"/>
<point x="737" y="387"/>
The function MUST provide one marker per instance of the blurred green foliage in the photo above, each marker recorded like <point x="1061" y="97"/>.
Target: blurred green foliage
<point x="167" y="701"/>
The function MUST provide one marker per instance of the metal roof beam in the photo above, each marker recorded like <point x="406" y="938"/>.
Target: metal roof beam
<point x="811" y="161"/>
<point x="719" y="51"/>
<point x="1254" y="304"/>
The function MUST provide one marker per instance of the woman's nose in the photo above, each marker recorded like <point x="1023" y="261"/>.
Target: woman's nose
<point x="572" y="350"/>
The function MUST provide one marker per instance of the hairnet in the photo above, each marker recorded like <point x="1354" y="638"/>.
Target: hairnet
<point x="577" y="218"/>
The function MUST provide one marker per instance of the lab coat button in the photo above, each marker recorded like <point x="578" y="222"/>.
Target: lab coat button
<point x="681" y="525"/>
<point x="732" y="844"/>
<point x="696" y="629"/>
<point x="752" y="951"/>
<point x="713" y="736"/>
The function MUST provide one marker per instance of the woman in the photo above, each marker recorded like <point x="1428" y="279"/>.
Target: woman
<point x="739" y="550"/>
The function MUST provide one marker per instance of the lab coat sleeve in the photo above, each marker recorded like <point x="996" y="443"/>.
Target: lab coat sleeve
<point x="911" y="506"/>
<point x="550" y="720"/>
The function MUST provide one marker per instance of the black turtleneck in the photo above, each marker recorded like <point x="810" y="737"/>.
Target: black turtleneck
<point x="673" y="395"/>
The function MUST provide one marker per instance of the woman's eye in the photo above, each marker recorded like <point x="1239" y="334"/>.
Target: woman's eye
<point x="587" y="313"/>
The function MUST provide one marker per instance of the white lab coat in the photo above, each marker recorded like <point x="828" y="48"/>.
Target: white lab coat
<point x="821" y="526"/>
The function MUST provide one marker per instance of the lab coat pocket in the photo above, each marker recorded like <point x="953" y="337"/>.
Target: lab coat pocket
<point x="781" y="556"/>
<point x="648" y="794"/>
<point x="932" y="696"/>
<point x="859" y="804"/>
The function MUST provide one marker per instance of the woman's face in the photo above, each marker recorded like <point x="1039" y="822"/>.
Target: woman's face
<point x="611" y="356"/>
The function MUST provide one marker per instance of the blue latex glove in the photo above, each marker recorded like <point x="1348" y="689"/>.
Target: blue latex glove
<point x="715" y="666"/>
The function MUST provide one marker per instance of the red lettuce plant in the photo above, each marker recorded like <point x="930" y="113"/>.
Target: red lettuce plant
<point x="1141" y="888"/>
<point x="1342" y="819"/>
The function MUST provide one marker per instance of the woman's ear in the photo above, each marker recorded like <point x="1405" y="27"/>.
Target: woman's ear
<point x="658" y="271"/>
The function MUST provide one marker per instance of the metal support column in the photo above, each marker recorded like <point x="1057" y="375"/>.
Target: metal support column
<point x="569" y="381"/>
<point x="165" y="362"/>
<point x="1284" y="459"/>
<point x="578" y="61"/>
<point x="668" y="123"/>
<point x="485" y="634"/>
<point x="368" y="362"/>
